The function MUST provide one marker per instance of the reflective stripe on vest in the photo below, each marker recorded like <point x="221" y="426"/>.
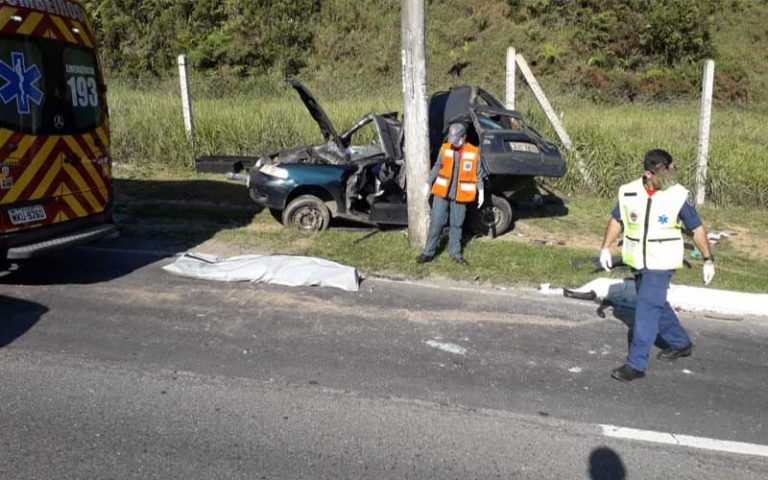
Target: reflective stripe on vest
<point x="652" y="231"/>
<point x="467" y="181"/>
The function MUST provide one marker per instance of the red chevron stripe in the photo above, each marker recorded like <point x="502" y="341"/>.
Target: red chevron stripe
<point x="35" y="148"/>
<point x="64" y="207"/>
<point x="78" y="38"/>
<point x="86" y="30"/>
<point x="28" y="157"/>
<point x="80" y="140"/>
<point x="95" y="139"/>
<point x="14" y="138"/>
<point x="89" y="210"/>
<point x="10" y="28"/>
<point x="59" y="149"/>
<point x="45" y="25"/>
<point x="93" y="154"/>
<point x="92" y="188"/>
<point x="77" y="196"/>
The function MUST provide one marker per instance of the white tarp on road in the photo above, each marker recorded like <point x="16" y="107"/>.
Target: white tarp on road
<point x="692" y="299"/>
<point x="288" y="270"/>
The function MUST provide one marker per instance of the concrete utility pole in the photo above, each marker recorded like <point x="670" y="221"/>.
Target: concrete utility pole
<point x="415" y="119"/>
<point x="543" y="102"/>
<point x="704" y="121"/>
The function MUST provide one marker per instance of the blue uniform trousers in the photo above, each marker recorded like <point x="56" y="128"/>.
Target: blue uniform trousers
<point x="653" y="317"/>
<point x="440" y="210"/>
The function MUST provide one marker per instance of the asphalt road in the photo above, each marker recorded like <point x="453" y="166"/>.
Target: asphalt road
<point x="112" y="368"/>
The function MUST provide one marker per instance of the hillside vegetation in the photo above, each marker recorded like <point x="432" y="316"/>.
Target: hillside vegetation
<point x="623" y="75"/>
<point x="602" y="49"/>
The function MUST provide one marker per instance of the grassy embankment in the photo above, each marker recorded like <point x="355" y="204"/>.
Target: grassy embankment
<point x="154" y="165"/>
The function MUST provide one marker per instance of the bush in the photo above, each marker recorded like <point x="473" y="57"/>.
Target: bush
<point x="676" y="31"/>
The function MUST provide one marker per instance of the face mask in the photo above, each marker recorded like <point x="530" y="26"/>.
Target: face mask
<point x="666" y="179"/>
<point x="459" y="144"/>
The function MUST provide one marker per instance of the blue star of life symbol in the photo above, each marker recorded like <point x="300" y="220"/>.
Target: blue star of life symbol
<point x="20" y="83"/>
<point x="663" y="219"/>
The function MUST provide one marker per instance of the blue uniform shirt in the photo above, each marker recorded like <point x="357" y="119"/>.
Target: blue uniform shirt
<point x="688" y="215"/>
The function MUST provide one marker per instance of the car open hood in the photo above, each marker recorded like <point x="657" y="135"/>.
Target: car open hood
<point x="317" y="112"/>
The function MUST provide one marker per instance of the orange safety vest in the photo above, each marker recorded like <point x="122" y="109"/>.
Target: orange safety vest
<point x="466" y="190"/>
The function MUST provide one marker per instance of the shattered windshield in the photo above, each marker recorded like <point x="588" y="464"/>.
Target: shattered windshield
<point x="499" y="121"/>
<point x="362" y="139"/>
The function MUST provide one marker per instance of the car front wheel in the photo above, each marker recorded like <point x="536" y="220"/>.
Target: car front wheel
<point x="307" y="213"/>
<point x="493" y="218"/>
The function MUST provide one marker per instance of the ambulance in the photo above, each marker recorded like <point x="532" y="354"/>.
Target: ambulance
<point x="55" y="165"/>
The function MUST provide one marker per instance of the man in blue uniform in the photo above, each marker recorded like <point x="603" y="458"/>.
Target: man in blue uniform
<point x="651" y="213"/>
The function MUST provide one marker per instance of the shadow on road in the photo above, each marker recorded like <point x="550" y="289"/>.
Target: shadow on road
<point x="17" y="317"/>
<point x="156" y="219"/>
<point x="606" y="464"/>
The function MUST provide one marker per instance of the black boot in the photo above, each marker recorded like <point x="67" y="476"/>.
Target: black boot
<point x="424" y="258"/>
<point x="625" y="373"/>
<point x="672" y="354"/>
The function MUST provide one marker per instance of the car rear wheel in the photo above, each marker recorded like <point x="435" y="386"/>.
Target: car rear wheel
<point x="493" y="218"/>
<point x="307" y="213"/>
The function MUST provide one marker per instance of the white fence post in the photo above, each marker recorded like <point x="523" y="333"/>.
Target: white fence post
<point x="542" y="99"/>
<point x="704" y="122"/>
<point x="552" y="116"/>
<point x="510" y="103"/>
<point x="186" y="104"/>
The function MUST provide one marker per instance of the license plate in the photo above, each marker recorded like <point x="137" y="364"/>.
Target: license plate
<point x="523" y="147"/>
<point x="34" y="213"/>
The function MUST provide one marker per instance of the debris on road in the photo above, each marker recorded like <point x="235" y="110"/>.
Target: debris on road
<point x="717" y="236"/>
<point x="546" y="289"/>
<point x="447" y="347"/>
<point x="287" y="270"/>
<point x="621" y="293"/>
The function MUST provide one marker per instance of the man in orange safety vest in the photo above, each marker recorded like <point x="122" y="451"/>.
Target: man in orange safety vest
<point x="456" y="180"/>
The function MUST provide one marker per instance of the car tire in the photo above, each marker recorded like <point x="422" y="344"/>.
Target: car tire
<point x="493" y="219"/>
<point x="307" y="213"/>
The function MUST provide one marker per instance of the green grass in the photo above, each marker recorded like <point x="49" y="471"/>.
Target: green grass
<point x="148" y="135"/>
<point x="189" y="210"/>
<point x="612" y="139"/>
<point x="497" y="262"/>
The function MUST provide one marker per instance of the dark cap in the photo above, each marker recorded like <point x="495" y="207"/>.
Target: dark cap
<point x="455" y="132"/>
<point x="656" y="160"/>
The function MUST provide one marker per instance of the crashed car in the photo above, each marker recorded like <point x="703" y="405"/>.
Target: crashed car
<point x="360" y="174"/>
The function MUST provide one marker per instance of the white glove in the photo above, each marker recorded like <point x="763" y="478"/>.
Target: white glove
<point x="427" y="188"/>
<point x="605" y="259"/>
<point x="708" y="272"/>
<point x="480" y="197"/>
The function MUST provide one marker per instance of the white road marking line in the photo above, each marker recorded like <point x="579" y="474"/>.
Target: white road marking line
<point x="685" y="440"/>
